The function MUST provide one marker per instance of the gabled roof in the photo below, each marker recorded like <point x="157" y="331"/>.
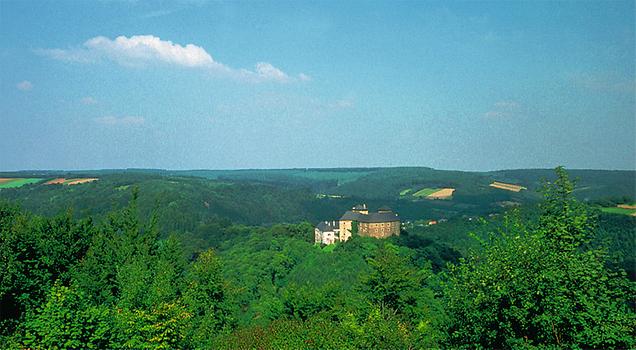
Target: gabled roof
<point x="351" y="216"/>
<point x="371" y="217"/>
<point x="325" y="226"/>
<point x="380" y="217"/>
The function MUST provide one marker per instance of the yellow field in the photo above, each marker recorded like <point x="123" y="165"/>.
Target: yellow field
<point x="443" y="193"/>
<point x="64" y="181"/>
<point x="80" y="181"/>
<point x="59" y="180"/>
<point x="507" y="187"/>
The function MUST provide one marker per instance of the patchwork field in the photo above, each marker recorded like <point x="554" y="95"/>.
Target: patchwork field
<point x="17" y="182"/>
<point x="425" y="192"/>
<point x="434" y="193"/>
<point x="80" y="181"/>
<point x="64" y="181"/>
<point x="507" y="187"/>
<point x="57" y="181"/>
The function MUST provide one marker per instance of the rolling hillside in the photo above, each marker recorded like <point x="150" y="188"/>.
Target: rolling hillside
<point x="190" y="198"/>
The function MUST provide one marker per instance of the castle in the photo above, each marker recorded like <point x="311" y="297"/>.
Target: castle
<point x="381" y="224"/>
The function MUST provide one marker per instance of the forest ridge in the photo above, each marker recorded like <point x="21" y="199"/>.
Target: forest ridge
<point x="532" y="278"/>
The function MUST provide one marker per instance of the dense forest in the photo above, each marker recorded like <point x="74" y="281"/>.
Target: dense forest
<point x="141" y="264"/>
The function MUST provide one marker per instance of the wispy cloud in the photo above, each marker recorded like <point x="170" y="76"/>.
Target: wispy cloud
<point x="503" y="109"/>
<point x="264" y="71"/>
<point x="24" y="85"/>
<point x="344" y="103"/>
<point x="158" y="13"/>
<point x="124" y="121"/>
<point x="145" y="50"/>
<point x="603" y="83"/>
<point x="88" y="100"/>
<point x="506" y="105"/>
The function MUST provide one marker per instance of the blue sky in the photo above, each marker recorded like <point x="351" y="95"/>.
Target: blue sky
<point x="223" y="85"/>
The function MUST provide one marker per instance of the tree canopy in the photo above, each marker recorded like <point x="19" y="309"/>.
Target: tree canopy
<point x="524" y="280"/>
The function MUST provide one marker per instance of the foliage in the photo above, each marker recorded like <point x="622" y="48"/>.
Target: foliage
<point x="35" y="252"/>
<point x="167" y="274"/>
<point x="540" y="285"/>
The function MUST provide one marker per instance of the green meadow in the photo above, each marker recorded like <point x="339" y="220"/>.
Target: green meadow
<point x="616" y="210"/>
<point x="405" y="192"/>
<point x="20" y="182"/>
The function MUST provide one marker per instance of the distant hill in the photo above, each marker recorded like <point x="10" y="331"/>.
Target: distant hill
<point x="193" y="197"/>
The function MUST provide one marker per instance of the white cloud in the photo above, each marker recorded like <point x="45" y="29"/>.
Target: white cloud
<point x="268" y="72"/>
<point x="143" y="50"/>
<point x="126" y="120"/>
<point x="88" y="100"/>
<point x="135" y="51"/>
<point x="24" y="85"/>
<point x="263" y="72"/>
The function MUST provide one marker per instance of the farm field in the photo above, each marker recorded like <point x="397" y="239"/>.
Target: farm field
<point x="80" y="181"/>
<point x="64" y="181"/>
<point x="17" y="182"/>
<point x="425" y="192"/>
<point x="59" y="180"/>
<point x="507" y="187"/>
<point x="444" y="193"/>
<point x="434" y="193"/>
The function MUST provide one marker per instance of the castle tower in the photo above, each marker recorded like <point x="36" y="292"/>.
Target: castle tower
<point x="361" y="208"/>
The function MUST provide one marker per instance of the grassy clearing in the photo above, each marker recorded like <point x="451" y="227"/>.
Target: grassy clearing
<point x="18" y="182"/>
<point x="621" y="211"/>
<point x="322" y="196"/>
<point x="405" y="192"/>
<point x="425" y="192"/>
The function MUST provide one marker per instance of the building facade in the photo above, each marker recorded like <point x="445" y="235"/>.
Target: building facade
<point x="381" y="224"/>
<point x="327" y="232"/>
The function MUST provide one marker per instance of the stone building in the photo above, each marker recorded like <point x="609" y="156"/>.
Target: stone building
<point x="381" y="224"/>
<point x="326" y="232"/>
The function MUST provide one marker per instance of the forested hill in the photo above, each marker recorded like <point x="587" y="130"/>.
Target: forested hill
<point x="546" y="278"/>
<point x="364" y="181"/>
<point x="187" y="199"/>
